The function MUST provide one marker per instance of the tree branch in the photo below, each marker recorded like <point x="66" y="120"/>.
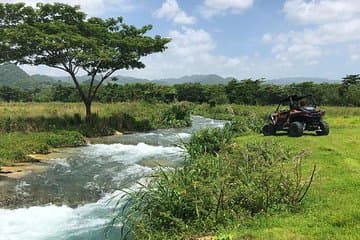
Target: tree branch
<point x="107" y="75"/>
<point x="78" y="87"/>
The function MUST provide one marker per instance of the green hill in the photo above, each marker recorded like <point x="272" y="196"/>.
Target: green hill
<point x="10" y="73"/>
<point x="13" y="76"/>
<point x="34" y="81"/>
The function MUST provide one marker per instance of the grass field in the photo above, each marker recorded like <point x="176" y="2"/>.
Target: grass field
<point x="14" y="147"/>
<point x="53" y="109"/>
<point x="331" y="210"/>
<point x="27" y="128"/>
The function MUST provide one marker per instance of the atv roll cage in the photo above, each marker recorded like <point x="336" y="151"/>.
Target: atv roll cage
<point x="293" y="101"/>
<point x="300" y="115"/>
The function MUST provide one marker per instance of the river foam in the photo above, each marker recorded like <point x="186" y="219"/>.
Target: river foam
<point x="89" y="220"/>
<point x="129" y="154"/>
<point x="97" y="168"/>
<point x="58" y="222"/>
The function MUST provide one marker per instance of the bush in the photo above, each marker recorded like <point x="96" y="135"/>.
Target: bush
<point x="208" y="141"/>
<point x="211" y="191"/>
<point x="248" y="124"/>
<point x="178" y="115"/>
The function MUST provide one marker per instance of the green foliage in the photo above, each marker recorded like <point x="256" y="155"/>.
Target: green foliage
<point x="243" y="92"/>
<point x="137" y="92"/>
<point x="243" y="119"/>
<point x="246" y="124"/>
<point x="208" y="141"/>
<point x="14" y="147"/>
<point x="61" y="36"/>
<point x="210" y="191"/>
<point x="30" y="117"/>
<point x="8" y="94"/>
<point x="10" y="73"/>
<point x="332" y="202"/>
<point x="178" y="115"/>
<point x="253" y="92"/>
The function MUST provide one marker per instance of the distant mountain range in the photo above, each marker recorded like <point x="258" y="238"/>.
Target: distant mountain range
<point x="290" y="80"/>
<point x="12" y="75"/>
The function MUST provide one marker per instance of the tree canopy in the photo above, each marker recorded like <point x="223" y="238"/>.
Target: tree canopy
<point x="63" y="37"/>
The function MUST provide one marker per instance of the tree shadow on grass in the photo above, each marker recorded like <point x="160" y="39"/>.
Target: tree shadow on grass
<point x="280" y="134"/>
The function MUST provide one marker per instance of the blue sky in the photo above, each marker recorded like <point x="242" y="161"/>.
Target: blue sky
<point x="241" y="38"/>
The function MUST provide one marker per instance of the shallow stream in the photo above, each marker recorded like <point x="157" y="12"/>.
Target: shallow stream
<point x="75" y="197"/>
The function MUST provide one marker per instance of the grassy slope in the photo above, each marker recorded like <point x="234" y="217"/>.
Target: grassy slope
<point x="332" y="208"/>
<point x="14" y="147"/>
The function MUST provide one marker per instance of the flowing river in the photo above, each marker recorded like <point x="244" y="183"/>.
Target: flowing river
<point x="74" y="198"/>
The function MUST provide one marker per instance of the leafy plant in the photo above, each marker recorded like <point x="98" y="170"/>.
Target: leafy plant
<point x="211" y="191"/>
<point x="178" y="115"/>
<point x="208" y="141"/>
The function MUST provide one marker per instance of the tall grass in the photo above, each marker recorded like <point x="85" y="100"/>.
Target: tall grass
<point x="215" y="188"/>
<point x="14" y="147"/>
<point x="35" y="117"/>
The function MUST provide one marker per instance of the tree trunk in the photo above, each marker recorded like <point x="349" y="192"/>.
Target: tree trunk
<point x="88" y="113"/>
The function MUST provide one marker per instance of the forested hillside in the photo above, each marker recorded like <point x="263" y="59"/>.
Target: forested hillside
<point x="10" y="73"/>
<point x="13" y="76"/>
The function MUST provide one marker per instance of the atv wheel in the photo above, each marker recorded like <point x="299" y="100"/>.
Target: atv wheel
<point x="324" y="129"/>
<point x="296" y="129"/>
<point x="268" y="130"/>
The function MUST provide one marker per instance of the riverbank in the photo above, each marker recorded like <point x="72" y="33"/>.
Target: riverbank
<point x="330" y="210"/>
<point x="106" y="118"/>
<point x="17" y="147"/>
<point x="75" y="198"/>
<point x="187" y="202"/>
<point x="33" y="128"/>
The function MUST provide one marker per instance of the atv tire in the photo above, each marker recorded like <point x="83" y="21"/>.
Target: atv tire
<point x="324" y="129"/>
<point x="296" y="129"/>
<point x="268" y="130"/>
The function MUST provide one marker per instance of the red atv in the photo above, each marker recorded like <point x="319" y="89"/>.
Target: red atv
<point x="300" y="115"/>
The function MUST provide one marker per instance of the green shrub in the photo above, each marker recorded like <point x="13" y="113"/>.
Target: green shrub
<point x="212" y="191"/>
<point x="208" y="141"/>
<point x="178" y="115"/>
<point x="248" y="124"/>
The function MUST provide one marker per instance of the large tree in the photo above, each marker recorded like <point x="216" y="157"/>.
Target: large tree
<point x="62" y="37"/>
<point x="349" y="80"/>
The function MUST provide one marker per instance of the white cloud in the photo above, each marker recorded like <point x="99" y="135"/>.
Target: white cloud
<point x="328" y="23"/>
<point x="191" y="51"/>
<point x="313" y="62"/>
<point x="171" y="11"/>
<point x="321" y="11"/>
<point x="354" y="52"/>
<point x="93" y="8"/>
<point x="267" y="37"/>
<point x="216" y="7"/>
